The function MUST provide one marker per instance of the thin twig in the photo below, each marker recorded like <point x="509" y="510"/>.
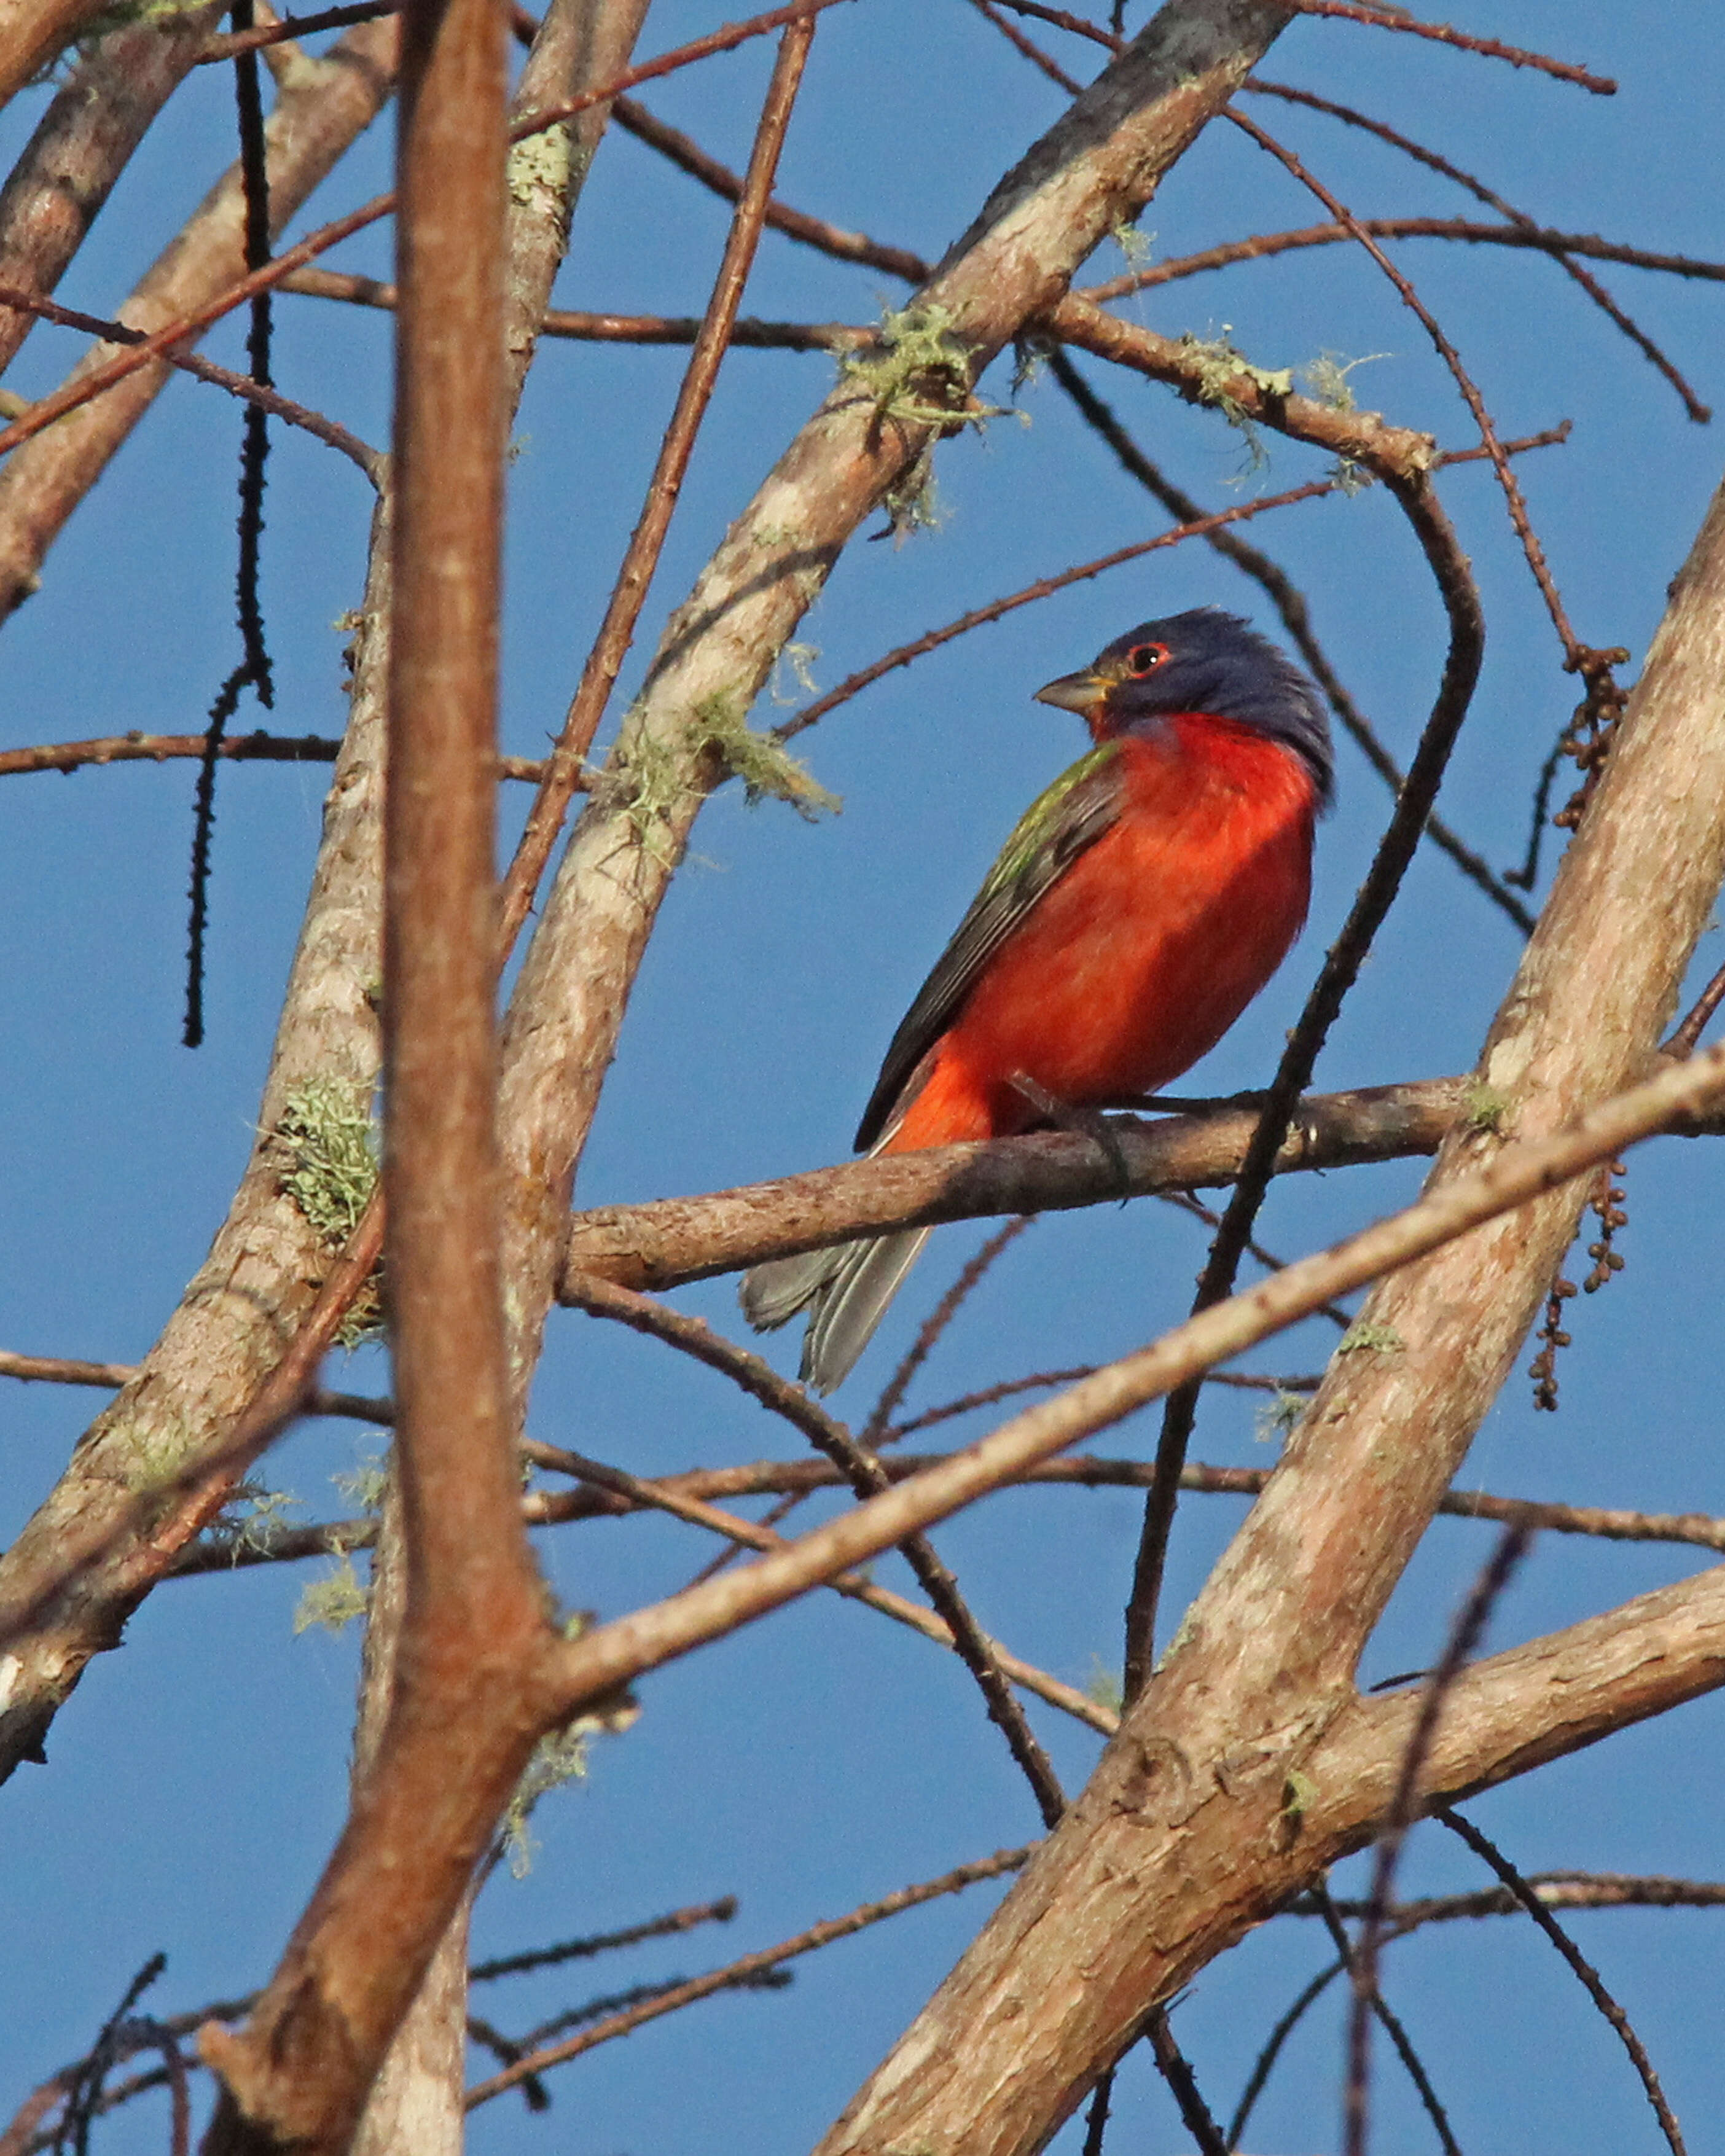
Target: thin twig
<point x="236" y="42"/>
<point x="1392" y="2022"/>
<point x="1404" y="1809"/>
<point x="686" y="1496"/>
<point x="674" y="1497"/>
<point x="875" y="1430"/>
<point x="160" y="343"/>
<point x="629" y="593"/>
<point x="1441" y="32"/>
<point x="350" y="290"/>
<point x="655" y="1927"/>
<point x="815" y="232"/>
<point x="258" y="394"/>
<point x="260" y="747"/>
<point x="902" y="654"/>
<point x="1264" y="2064"/>
<point x="1028" y="48"/>
<point x="703" y="1986"/>
<point x="1575" y="654"/>
<point x="1686" y="1039"/>
<point x="1523" y="1891"/>
<point x="867" y="1478"/>
<point x="1260" y="246"/>
<point x="1350" y="117"/>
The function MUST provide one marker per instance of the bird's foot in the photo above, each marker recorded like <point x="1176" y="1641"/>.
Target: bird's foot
<point x="1082" y="1122"/>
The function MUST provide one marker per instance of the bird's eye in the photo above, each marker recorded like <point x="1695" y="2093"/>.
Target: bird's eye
<point x="1144" y="657"/>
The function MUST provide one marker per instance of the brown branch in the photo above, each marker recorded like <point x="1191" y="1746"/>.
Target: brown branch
<point x="670" y="1240"/>
<point x="813" y="232"/>
<point x="1506" y="1715"/>
<point x="100" y="379"/>
<point x="465" y="1709"/>
<point x="629" y="593"/>
<point x="1029" y="48"/>
<point x="703" y="1986"/>
<point x="80" y="147"/>
<point x="316" y="118"/>
<point x="1584" y="278"/>
<point x="1520" y="1174"/>
<point x="258" y="747"/>
<point x="220" y="1381"/>
<point x="1464" y="41"/>
<point x="676" y="1495"/>
<point x="1198" y="373"/>
<point x="327" y="430"/>
<point x="357" y="292"/>
<point x="867" y="1478"/>
<point x="237" y="42"/>
<point x="1538" y="1908"/>
<point x="1262" y="245"/>
<point x="772" y="1478"/>
<point x="31" y="32"/>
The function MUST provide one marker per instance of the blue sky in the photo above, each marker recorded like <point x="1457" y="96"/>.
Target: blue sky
<point x="195" y="1781"/>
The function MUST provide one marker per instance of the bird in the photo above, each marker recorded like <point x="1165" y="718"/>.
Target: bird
<point x="1141" y="903"/>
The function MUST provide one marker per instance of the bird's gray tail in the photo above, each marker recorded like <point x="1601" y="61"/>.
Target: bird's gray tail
<point x="845" y="1292"/>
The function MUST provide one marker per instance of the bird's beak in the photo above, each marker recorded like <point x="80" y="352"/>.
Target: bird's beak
<point x="1074" y="692"/>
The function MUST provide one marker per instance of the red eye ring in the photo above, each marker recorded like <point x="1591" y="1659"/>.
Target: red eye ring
<point x="1144" y="657"/>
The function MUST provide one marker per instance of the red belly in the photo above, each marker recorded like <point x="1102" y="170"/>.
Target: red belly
<point x="1141" y="956"/>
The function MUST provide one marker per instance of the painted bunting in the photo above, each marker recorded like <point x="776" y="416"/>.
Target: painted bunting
<point x="1142" y="901"/>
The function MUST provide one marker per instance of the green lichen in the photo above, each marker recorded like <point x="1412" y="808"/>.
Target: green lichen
<point x="1326" y="377"/>
<point x="154" y="1457"/>
<point x="915" y="355"/>
<point x="1137" y="247"/>
<point x="1299" y="1793"/>
<point x="334" y="1601"/>
<point x="798" y="659"/>
<point x="917" y="372"/>
<point x="1363" y="1338"/>
<point x="1104" y="1687"/>
<point x="560" y="1758"/>
<point x="545" y="160"/>
<point x="1277" y="1416"/>
<point x="1217" y="368"/>
<point x="363" y="1484"/>
<point x="264" y="1518"/>
<point x="767" y="769"/>
<point x="328" y="1140"/>
<point x="1483" y="1107"/>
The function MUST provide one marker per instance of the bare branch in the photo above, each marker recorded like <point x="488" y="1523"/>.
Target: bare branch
<point x="670" y="1240"/>
<point x="80" y="147"/>
<point x="330" y="102"/>
<point x="1396" y="18"/>
<point x="465" y="1709"/>
<point x="1520" y="1174"/>
<point x="703" y="1986"/>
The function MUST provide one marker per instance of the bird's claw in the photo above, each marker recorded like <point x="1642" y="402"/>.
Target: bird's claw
<point x="1082" y="1122"/>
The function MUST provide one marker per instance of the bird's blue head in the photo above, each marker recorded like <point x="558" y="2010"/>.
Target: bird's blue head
<point x="1206" y="661"/>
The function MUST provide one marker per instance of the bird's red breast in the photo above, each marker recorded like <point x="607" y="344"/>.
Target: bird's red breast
<point x="1139" y="959"/>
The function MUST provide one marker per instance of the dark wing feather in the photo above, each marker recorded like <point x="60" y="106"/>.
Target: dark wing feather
<point x="1082" y="803"/>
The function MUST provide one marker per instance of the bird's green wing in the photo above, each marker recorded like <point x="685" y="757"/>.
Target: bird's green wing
<point x="1072" y="815"/>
